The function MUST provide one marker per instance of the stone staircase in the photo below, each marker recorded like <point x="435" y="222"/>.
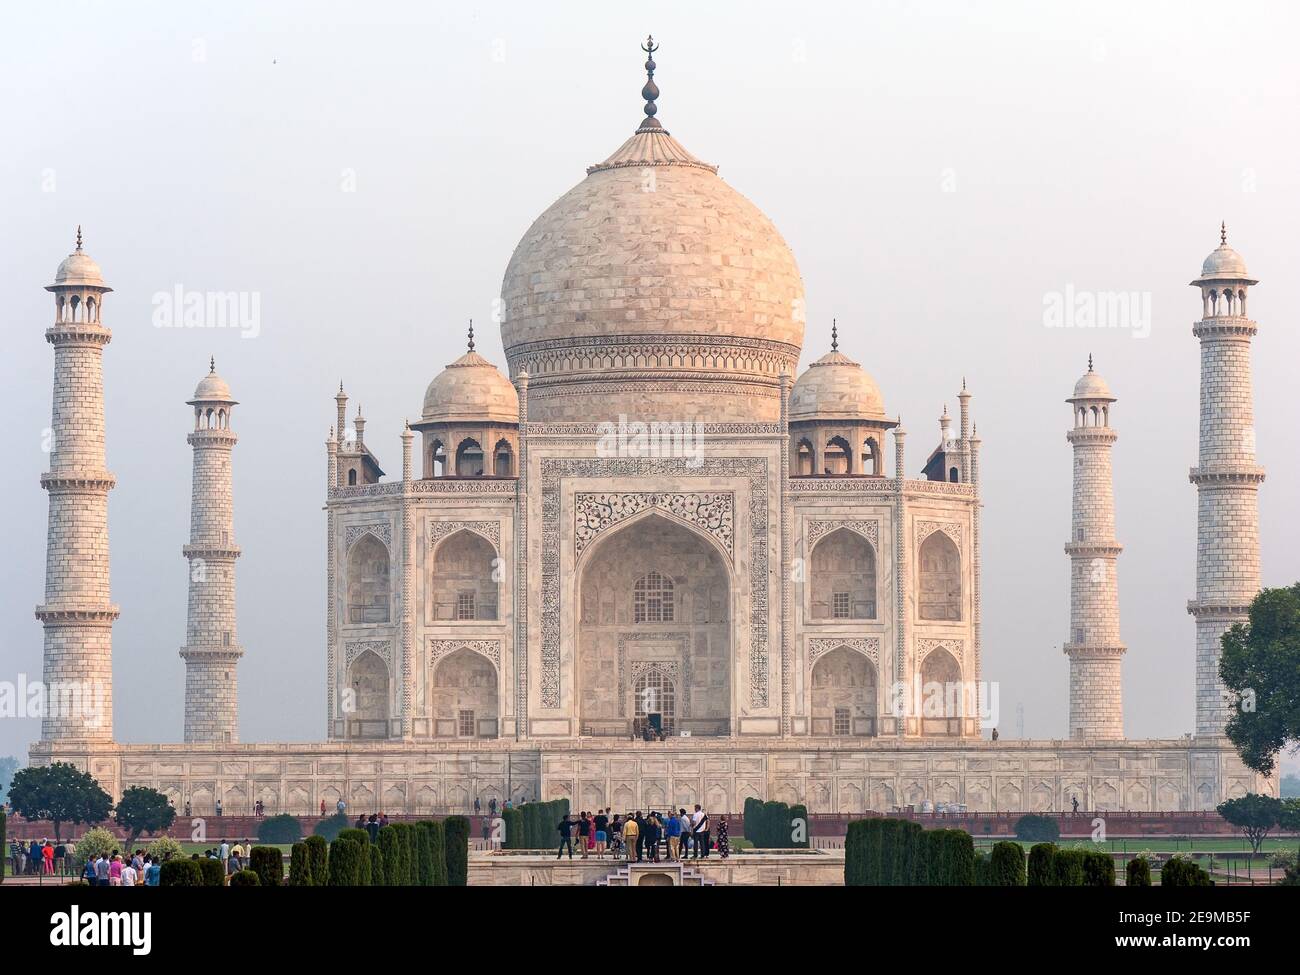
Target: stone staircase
<point x="666" y="874"/>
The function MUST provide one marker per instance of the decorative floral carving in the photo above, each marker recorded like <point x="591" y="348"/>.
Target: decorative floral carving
<point x="593" y="513"/>
<point x="383" y="649"/>
<point x="381" y="530"/>
<point x="555" y="469"/>
<point x="924" y="646"/>
<point x="867" y="528"/>
<point x="683" y="645"/>
<point x="926" y="528"/>
<point x="488" y="648"/>
<point x="867" y="645"/>
<point x="491" y="530"/>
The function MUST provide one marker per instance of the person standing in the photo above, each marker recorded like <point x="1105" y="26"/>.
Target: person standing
<point x="565" y="829"/>
<point x="492" y="807"/>
<point x="584" y="833"/>
<point x="700" y="832"/>
<point x="152" y="872"/>
<point x="322" y="809"/>
<point x="724" y="847"/>
<point x="219" y="807"/>
<point x="478" y="807"/>
<point x="102" y="870"/>
<point x="128" y="875"/>
<point x="601" y="824"/>
<point x="631" y="838"/>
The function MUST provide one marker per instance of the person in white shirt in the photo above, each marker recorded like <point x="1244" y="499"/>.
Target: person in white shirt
<point x="700" y="833"/>
<point x="128" y="875"/>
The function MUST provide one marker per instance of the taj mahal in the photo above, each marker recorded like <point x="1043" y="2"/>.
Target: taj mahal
<point x="652" y="561"/>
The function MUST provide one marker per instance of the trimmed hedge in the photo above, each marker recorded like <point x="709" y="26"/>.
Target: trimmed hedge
<point x="390" y="845"/>
<point x="1033" y="828"/>
<point x="456" y="847"/>
<point x="513" y="821"/>
<point x="213" y="872"/>
<point x="180" y="873"/>
<point x="318" y="854"/>
<point x="1178" y="872"/>
<point x="345" y="863"/>
<point x="432" y="833"/>
<point x="1041" y="871"/>
<point x="268" y="863"/>
<point x="245" y="878"/>
<point x="1006" y="865"/>
<point x="1138" y="872"/>
<point x="1068" y="868"/>
<point x="300" y="866"/>
<point x="280" y="829"/>
<point x="376" y="866"/>
<point x="771" y="825"/>
<point x="898" y="852"/>
<point x="1098" y="869"/>
<point x="362" y="836"/>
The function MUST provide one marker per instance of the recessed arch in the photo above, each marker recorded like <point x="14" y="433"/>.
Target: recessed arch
<point x="369" y="583"/>
<point x="465" y="583"/>
<point x="469" y="458"/>
<point x="942" y="694"/>
<point x="368" y="687"/>
<point x="842" y="583"/>
<point x="464" y="691"/>
<point x="940" y="596"/>
<point x="844" y="693"/>
<point x="837" y="457"/>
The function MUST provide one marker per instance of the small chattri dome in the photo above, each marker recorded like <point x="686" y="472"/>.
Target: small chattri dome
<point x="1091" y="386"/>
<point x="79" y="270"/>
<point x="835" y="387"/>
<point x="1224" y="263"/>
<point x="212" y="388"/>
<point x="471" y="388"/>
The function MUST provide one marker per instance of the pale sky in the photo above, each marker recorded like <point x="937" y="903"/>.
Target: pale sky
<point x="939" y="170"/>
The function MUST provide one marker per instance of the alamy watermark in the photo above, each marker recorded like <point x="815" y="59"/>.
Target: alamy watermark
<point x="656" y="438"/>
<point x="1074" y="308"/>
<point x="179" y="308"/>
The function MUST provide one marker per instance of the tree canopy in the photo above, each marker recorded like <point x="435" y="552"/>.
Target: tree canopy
<point x="143" y="810"/>
<point x="61" y="793"/>
<point x="1260" y="666"/>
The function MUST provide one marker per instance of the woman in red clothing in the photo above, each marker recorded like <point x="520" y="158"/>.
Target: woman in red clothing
<point x="47" y="854"/>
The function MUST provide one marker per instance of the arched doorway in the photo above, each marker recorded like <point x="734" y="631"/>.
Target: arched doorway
<point x="941" y="694"/>
<point x="843" y="577"/>
<point x="368" y="684"/>
<point x="465" y="696"/>
<point x="654" y="593"/>
<point x="655" y="692"/>
<point x="940" y="595"/>
<point x="463" y="586"/>
<point x="844" y="695"/>
<point x="368" y="581"/>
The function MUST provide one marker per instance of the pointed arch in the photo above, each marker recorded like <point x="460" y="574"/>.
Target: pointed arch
<point x="464" y="584"/>
<point x="843" y="577"/>
<point x="940" y="596"/>
<point x="369" y="583"/>
<point x="469" y="458"/>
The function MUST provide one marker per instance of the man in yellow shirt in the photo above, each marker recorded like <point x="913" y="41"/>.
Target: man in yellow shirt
<point x="630" y="832"/>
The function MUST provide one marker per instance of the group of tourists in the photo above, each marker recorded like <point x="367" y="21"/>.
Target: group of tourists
<point x="114" y="870"/>
<point x="42" y="857"/>
<point x="641" y="838"/>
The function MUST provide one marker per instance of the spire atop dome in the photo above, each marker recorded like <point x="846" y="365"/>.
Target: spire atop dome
<point x="1223" y="231"/>
<point x="212" y="365"/>
<point x="471" y="335"/>
<point x="651" y="91"/>
<point x="835" y="335"/>
<point x="1090" y="362"/>
<point x="78" y="236"/>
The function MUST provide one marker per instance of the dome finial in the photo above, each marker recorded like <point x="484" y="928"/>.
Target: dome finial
<point x="1090" y="362"/>
<point x="651" y="91"/>
<point x="471" y="335"/>
<point x="78" y="236"/>
<point x="212" y="365"/>
<point x="835" y="335"/>
<point x="1223" y="232"/>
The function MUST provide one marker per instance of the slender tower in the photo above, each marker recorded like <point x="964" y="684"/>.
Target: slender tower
<point x="77" y="614"/>
<point x="211" y="649"/>
<point x="1226" y="476"/>
<point x="1094" y="647"/>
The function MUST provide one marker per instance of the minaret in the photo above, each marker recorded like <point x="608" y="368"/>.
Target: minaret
<point x="1094" y="646"/>
<point x="211" y="648"/>
<point x="77" y="614"/>
<point x="1226" y="476"/>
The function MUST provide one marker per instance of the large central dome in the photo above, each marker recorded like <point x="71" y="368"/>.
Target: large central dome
<point x="654" y="289"/>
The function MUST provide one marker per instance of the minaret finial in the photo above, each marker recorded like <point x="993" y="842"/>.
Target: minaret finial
<point x="651" y="91"/>
<point x="1223" y="233"/>
<point x="1090" y="362"/>
<point x="471" y="335"/>
<point x="835" y="335"/>
<point x="212" y="364"/>
<point x="78" y="236"/>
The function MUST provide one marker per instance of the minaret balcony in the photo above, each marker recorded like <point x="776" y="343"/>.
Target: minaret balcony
<point x="1090" y="650"/>
<point x="69" y="614"/>
<point x="1248" y="474"/>
<point x="200" y="550"/>
<point x="1225" y="326"/>
<point x="78" y="333"/>
<point x="1094" y="550"/>
<point x="78" y="480"/>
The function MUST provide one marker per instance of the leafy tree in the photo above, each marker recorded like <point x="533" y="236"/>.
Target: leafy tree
<point x="300" y="866"/>
<point x="1033" y="828"/>
<point x="390" y="845"/>
<point x="1006" y="865"/>
<point x="61" y="793"/>
<point x="164" y="848"/>
<point x="268" y="863"/>
<point x="1041" y="869"/>
<point x="345" y="863"/>
<point x="1260" y="666"/>
<point x="143" y="810"/>
<point x="330" y="827"/>
<point x="1253" y="814"/>
<point x="95" y="841"/>
<point x="1139" y="872"/>
<point x="318" y="855"/>
<point x="280" y="829"/>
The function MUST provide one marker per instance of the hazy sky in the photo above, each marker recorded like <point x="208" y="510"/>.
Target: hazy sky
<point x="939" y="170"/>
